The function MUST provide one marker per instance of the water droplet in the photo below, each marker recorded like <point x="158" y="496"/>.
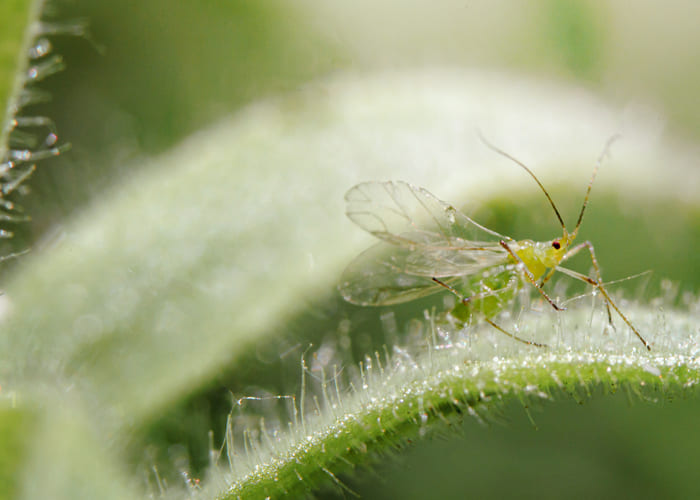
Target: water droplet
<point x="451" y="213"/>
<point x="6" y="167"/>
<point x="50" y="139"/>
<point x="45" y="68"/>
<point x="21" y="154"/>
<point x="41" y="47"/>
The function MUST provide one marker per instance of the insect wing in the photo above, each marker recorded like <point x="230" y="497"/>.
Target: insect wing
<point x="406" y="215"/>
<point x="423" y="238"/>
<point x="376" y="277"/>
<point x="389" y="274"/>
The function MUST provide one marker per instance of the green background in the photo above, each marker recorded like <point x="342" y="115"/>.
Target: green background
<point x="152" y="73"/>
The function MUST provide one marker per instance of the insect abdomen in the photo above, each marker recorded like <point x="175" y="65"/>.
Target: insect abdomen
<point x="486" y="297"/>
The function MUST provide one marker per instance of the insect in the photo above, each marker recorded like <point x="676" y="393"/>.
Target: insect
<point x="426" y="245"/>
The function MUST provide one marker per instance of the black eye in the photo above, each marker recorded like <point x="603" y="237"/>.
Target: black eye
<point x="556" y="244"/>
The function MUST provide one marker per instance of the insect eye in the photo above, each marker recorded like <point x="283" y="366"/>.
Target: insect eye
<point x="556" y="244"/>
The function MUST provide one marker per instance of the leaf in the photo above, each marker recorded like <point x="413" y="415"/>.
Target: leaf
<point x="402" y="398"/>
<point x="204" y="257"/>
<point x="16" y="19"/>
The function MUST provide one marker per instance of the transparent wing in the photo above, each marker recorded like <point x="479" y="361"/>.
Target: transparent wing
<point x="377" y="277"/>
<point x="422" y="238"/>
<point x="388" y="274"/>
<point x="406" y="215"/>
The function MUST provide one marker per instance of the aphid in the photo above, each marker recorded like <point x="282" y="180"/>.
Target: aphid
<point x="427" y="245"/>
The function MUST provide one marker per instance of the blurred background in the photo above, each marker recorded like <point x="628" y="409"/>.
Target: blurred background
<point x="150" y="74"/>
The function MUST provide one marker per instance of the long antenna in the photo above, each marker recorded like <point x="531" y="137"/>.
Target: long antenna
<point x="606" y="152"/>
<point x="518" y="162"/>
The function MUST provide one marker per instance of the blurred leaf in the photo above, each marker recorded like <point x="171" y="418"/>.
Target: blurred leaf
<point x="576" y="34"/>
<point x="165" y="70"/>
<point x="212" y="267"/>
<point x="17" y="428"/>
<point x="14" y="21"/>
<point x="219" y="252"/>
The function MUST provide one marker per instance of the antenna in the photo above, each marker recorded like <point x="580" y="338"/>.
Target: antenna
<point x="518" y="162"/>
<point x="606" y="152"/>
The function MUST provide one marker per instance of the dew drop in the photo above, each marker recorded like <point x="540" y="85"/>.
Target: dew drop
<point x="41" y="47"/>
<point x="21" y="154"/>
<point x="46" y="67"/>
<point x="451" y="213"/>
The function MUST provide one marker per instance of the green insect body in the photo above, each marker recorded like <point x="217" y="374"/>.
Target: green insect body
<point x="496" y="287"/>
<point x="426" y="246"/>
<point x="502" y="285"/>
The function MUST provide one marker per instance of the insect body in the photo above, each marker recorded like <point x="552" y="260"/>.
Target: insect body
<point x="426" y="245"/>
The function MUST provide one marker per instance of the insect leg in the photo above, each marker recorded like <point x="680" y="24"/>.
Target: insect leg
<point x="514" y="337"/>
<point x="598" y="284"/>
<point x="547" y="277"/>
<point x="573" y="251"/>
<point x="466" y="300"/>
<point x="576" y="249"/>
<point x="530" y="277"/>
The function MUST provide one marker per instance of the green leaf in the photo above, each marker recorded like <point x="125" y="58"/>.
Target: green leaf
<point x="16" y="433"/>
<point x="218" y="254"/>
<point x="435" y="392"/>
<point x="16" y="23"/>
